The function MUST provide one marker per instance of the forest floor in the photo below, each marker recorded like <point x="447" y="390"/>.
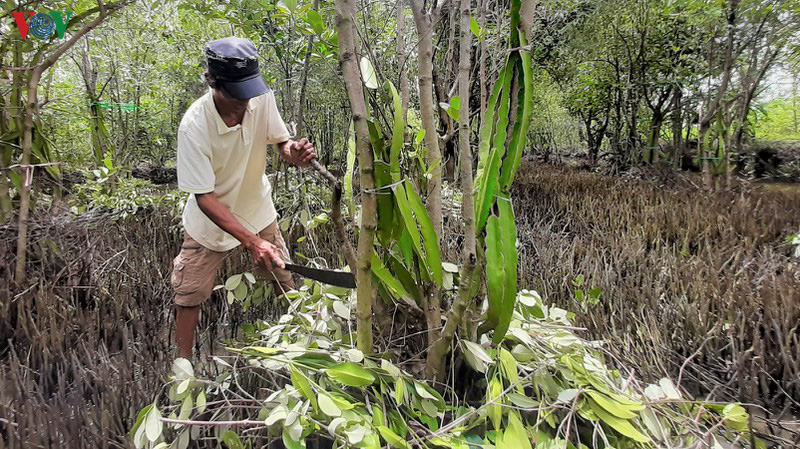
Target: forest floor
<point x="695" y="286"/>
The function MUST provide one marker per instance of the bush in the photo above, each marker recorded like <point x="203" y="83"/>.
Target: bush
<point x="300" y="378"/>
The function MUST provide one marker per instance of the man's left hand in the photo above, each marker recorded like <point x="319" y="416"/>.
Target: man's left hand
<point x="301" y="152"/>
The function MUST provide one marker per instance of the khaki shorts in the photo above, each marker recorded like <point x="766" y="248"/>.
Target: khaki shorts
<point x="194" y="271"/>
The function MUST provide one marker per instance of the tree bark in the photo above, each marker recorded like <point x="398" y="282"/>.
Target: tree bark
<point x="424" y="24"/>
<point x="348" y="61"/>
<point x="482" y="60"/>
<point x="401" y="57"/>
<point x="677" y="122"/>
<point x="440" y="347"/>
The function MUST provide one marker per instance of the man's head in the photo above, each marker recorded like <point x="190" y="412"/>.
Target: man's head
<point x="233" y="68"/>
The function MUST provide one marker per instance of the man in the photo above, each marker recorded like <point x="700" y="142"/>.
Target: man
<point x="222" y="152"/>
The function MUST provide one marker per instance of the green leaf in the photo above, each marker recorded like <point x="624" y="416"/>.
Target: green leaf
<point x="495" y="272"/>
<point x="186" y="408"/>
<point x="140" y="419"/>
<point x="348" y="175"/>
<point x="486" y="196"/>
<point x="341" y="309"/>
<point x="200" y="404"/>
<point x="327" y="406"/>
<point x="450" y="267"/>
<point x="368" y="74"/>
<point x="315" y="20"/>
<point x="391" y="282"/>
<point x="400" y="392"/>
<point x="495" y="410"/>
<point x="475" y="28"/>
<point x="488" y="129"/>
<point x="300" y="381"/>
<point x="476" y="356"/>
<point x="615" y="408"/>
<point x="623" y="426"/>
<point x="290" y="5"/>
<point x="231" y="440"/>
<point x="420" y="136"/>
<point x="392" y="438"/>
<point x="382" y="179"/>
<point x="410" y="224"/>
<point x="182" y="368"/>
<point x="233" y="282"/>
<point x="515" y="436"/>
<point x="183" y="386"/>
<point x="240" y="292"/>
<point x="511" y="164"/>
<point x="508" y="365"/>
<point x="669" y="389"/>
<point x="455" y="108"/>
<point x="153" y="424"/>
<point x="431" y="240"/>
<point x="262" y="351"/>
<point x="520" y="400"/>
<point x="398" y="131"/>
<point x="351" y="374"/>
<point x="508" y="235"/>
<point x="290" y="442"/>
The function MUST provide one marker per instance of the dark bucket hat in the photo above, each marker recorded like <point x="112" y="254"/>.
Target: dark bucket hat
<point x="233" y="62"/>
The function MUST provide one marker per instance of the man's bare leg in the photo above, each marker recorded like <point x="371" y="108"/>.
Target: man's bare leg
<point x="185" y="325"/>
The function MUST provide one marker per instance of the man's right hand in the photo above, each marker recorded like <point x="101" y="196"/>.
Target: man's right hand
<point x="265" y="254"/>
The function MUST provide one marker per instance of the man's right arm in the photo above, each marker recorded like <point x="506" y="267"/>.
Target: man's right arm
<point x="263" y="252"/>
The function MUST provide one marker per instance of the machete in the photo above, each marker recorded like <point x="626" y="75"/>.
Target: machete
<point x="331" y="277"/>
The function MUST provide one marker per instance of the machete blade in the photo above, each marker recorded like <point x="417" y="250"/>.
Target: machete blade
<point x="330" y="277"/>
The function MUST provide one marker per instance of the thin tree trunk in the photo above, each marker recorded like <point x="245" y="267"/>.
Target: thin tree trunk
<point x="301" y="103"/>
<point x="89" y="75"/>
<point x="439" y="348"/>
<point x="655" y="134"/>
<point x="25" y="194"/>
<point x="401" y="57"/>
<point x="482" y="61"/>
<point x="424" y="23"/>
<point x="677" y="121"/>
<point x="348" y="61"/>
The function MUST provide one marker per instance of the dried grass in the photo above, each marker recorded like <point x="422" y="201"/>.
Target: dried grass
<point x="86" y="343"/>
<point x="696" y="286"/>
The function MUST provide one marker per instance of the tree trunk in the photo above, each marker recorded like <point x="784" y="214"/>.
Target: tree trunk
<point x="424" y="23"/>
<point x="401" y="57"/>
<point x="482" y="61"/>
<point x="301" y="102"/>
<point x="677" y="121"/>
<point x="590" y="143"/>
<point x="348" y="61"/>
<point x="702" y="147"/>
<point x="439" y="348"/>
<point x="25" y="194"/>
<point x="655" y="134"/>
<point x="89" y="75"/>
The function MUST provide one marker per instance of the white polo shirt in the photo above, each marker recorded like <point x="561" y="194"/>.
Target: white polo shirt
<point x="231" y="162"/>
